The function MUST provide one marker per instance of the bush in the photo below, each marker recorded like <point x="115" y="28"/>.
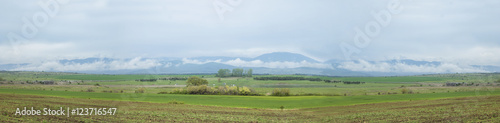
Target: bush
<point x="221" y="90"/>
<point x="140" y="90"/>
<point x="175" y="102"/>
<point x="406" y="91"/>
<point x="286" y="78"/>
<point x="233" y="90"/>
<point x="202" y="89"/>
<point x="281" y="92"/>
<point x="313" y="94"/>
<point x="179" y="91"/>
<point x="173" y="78"/>
<point x="388" y="92"/>
<point x="196" y="81"/>
<point x="244" y="91"/>
<point x="147" y="80"/>
<point x="88" y="90"/>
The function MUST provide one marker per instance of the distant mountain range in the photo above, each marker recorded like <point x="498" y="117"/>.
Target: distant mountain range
<point x="271" y="63"/>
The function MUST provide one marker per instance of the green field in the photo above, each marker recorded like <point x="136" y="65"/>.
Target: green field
<point x="465" y="109"/>
<point x="270" y="102"/>
<point x="310" y="101"/>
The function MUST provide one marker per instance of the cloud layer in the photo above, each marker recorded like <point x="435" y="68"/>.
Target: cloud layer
<point x="366" y="66"/>
<point x="357" y="66"/>
<point x="135" y="63"/>
<point x="258" y="63"/>
<point x="458" y="32"/>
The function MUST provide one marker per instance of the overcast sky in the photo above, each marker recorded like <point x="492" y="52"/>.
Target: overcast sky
<point x="458" y="31"/>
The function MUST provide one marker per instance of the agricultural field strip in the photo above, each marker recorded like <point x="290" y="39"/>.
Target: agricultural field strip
<point x="470" y="77"/>
<point x="470" y="109"/>
<point x="294" y="102"/>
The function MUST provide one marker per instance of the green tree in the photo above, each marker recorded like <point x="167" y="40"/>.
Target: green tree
<point x="237" y="72"/>
<point x="249" y="72"/>
<point x="228" y="72"/>
<point x="196" y="81"/>
<point x="223" y="73"/>
<point x="281" y="92"/>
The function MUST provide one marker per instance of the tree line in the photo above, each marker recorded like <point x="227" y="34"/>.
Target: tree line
<point x="237" y="72"/>
<point x="348" y="82"/>
<point x="196" y="85"/>
<point x="304" y="78"/>
<point x="220" y="90"/>
<point x="174" y="78"/>
<point x="154" y="80"/>
<point x="148" y="80"/>
<point x="286" y="78"/>
<point x="345" y="82"/>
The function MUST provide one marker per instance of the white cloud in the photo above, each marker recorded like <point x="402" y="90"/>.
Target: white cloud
<point x="258" y="63"/>
<point x="460" y="32"/>
<point x="167" y="65"/>
<point x="365" y="66"/>
<point x="190" y="61"/>
<point x="477" y="55"/>
<point x="135" y="63"/>
<point x="39" y="51"/>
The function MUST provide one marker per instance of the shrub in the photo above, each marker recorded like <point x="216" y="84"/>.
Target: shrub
<point x="196" y="81"/>
<point x="147" y="80"/>
<point x="140" y="90"/>
<point x="174" y="78"/>
<point x="286" y="78"/>
<point x="388" y="92"/>
<point x="406" y="91"/>
<point x="175" y="102"/>
<point x="348" y="82"/>
<point x="281" y="92"/>
<point x="221" y="90"/>
<point x="88" y="90"/>
<point x="179" y="91"/>
<point x="202" y="89"/>
<point x="245" y="91"/>
<point x="233" y="90"/>
<point x="311" y="94"/>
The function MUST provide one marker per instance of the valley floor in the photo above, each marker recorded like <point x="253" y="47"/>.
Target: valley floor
<point x="462" y="109"/>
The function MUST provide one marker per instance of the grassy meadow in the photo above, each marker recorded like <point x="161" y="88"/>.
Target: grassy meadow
<point x="422" y="98"/>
